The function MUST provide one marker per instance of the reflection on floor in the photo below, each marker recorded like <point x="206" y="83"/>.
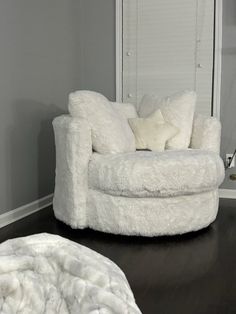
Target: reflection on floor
<point x="194" y="273"/>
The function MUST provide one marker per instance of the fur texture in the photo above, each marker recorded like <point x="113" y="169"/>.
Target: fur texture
<point x="125" y="109"/>
<point x="45" y="273"/>
<point x="111" y="132"/>
<point x="178" y="110"/>
<point x="206" y="133"/>
<point x="156" y="174"/>
<point x="151" y="183"/>
<point x="152" y="132"/>
<point x="149" y="216"/>
<point x="73" y="152"/>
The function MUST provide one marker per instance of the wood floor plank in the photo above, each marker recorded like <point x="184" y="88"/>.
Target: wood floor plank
<point x="194" y="273"/>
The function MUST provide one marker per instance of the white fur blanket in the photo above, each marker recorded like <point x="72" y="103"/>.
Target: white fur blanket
<point x="45" y="273"/>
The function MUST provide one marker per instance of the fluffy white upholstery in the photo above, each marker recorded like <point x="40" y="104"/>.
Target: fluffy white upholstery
<point x="152" y="132"/>
<point x="145" y="187"/>
<point x="48" y="274"/>
<point x="125" y="109"/>
<point x="206" y="133"/>
<point x="156" y="174"/>
<point x="178" y="110"/>
<point x="111" y="132"/>
<point x="151" y="216"/>
<point x="148" y="216"/>
<point x="73" y="151"/>
<point x="148" y="104"/>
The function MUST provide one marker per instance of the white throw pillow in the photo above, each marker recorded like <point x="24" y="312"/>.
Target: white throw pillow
<point x="152" y="132"/>
<point x="178" y="110"/>
<point x="111" y="132"/>
<point x="126" y="110"/>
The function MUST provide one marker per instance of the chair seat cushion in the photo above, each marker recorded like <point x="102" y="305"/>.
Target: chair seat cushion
<point x="156" y="174"/>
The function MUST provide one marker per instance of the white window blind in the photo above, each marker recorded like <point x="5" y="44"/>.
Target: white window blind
<point x="168" y="47"/>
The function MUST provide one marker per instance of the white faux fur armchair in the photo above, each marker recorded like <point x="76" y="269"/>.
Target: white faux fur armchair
<point x="138" y="192"/>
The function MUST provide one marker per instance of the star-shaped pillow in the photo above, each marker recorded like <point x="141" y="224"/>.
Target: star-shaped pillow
<point x="152" y="132"/>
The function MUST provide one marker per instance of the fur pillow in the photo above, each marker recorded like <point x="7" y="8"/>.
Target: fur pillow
<point x="111" y="132"/>
<point x="125" y="109"/>
<point x="152" y="132"/>
<point x="178" y="110"/>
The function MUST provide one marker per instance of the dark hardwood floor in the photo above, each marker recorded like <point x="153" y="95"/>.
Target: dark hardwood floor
<point x="193" y="273"/>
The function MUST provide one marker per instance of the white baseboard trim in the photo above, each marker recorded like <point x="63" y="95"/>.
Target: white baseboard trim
<point x="25" y="210"/>
<point x="227" y="193"/>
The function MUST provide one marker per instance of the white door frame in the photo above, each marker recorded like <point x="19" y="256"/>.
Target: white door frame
<point x="217" y="54"/>
<point x="217" y="58"/>
<point x="119" y="49"/>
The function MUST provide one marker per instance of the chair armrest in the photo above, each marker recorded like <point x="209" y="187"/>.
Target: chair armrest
<point x="206" y="133"/>
<point x="73" y="150"/>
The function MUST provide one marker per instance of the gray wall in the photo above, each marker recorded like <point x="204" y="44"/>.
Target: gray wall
<point x="48" y="48"/>
<point x="228" y="87"/>
<point x="97" y="33"/>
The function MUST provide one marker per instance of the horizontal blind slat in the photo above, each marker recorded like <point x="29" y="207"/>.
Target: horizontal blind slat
<point x="161" y="36"/>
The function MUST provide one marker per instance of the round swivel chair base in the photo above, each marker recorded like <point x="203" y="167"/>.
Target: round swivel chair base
<point x="151" y="216"/>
